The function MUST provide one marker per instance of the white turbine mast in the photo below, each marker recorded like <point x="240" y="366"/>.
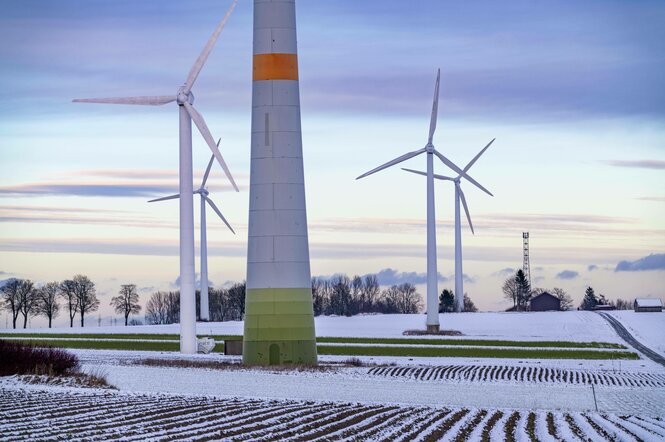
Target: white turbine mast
<point x="432" y="274"/>
<point x="185" y="99"/>
<point x="204" y="312"/>
<point x="459" y="196"/>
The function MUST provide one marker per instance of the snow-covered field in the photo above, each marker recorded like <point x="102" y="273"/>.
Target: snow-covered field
<point x="648" y="328"/>
<point x="40" y="413"/>
<point x="394" y="398"/>
<point x="563" y="326"/>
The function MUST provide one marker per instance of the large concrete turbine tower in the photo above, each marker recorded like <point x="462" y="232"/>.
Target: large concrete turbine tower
<point x="279" y="318"/>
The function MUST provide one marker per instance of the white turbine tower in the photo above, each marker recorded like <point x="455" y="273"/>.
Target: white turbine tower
<point x="204" y="312"/>
<point x="184" y="98"/>
<point x="459" y="196"/>
<point x="432" y="275"/>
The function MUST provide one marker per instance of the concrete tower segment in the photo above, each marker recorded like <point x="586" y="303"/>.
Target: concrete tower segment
<point x="279" y="319"/>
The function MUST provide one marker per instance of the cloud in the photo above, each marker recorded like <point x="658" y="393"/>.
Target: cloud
<point x="388" y="276"/>
<point x="641" y="164"/>
<point x="658" y="199"/>
<point x="106" y="183"/>
<point x="592" y="267"/>
<point x="87" y="189"/>
<point x="391" y="277"/>
<point x="197" y="282"/>
<point x="567" y="274"/>
<point x="655" y="261"/>
<point x="504" y="273"/>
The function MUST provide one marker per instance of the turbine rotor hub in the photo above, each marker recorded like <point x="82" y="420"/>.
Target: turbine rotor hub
<point x="204" y="191"/>
<point x="430" y="148"/>
<point x="183" y="97"/>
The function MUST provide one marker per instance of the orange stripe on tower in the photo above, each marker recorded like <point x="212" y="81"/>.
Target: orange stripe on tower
<point x="275" y="67"/>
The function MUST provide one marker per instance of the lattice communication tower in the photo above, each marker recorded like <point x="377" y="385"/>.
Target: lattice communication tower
<point x="525" y="265"/>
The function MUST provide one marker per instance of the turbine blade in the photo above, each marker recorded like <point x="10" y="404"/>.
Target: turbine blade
<point x="170" y="197"/>
<point x="435" y="108"/>
<point x="461" y="173"/>
<point x="203" y="128"/>
<point x="438" y="177"/>
<point x="145" y="101"/>
<point x="205" y="175"/>
<point x="214" y="207"/>
<point x="203" y="56"/>
<point x="472" y="162"/>
<point x="393" y="162"/>
<point x="466" y="208"/>
<point x="417" y="172"/>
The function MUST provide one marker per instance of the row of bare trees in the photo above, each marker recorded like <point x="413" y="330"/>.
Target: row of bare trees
<point x="21" y="296"/>
<point x="79" y="296"/>
<point x="226" y="304"/>
<point x="344" y="296"/>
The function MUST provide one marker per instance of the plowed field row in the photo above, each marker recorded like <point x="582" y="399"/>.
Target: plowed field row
<point x="493" y="373"/>
<point x="34" y="414"/>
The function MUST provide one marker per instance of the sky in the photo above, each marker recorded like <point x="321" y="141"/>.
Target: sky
<point x="572" y="92"/>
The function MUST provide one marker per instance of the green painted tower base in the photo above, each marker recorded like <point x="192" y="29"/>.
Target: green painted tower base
<point x="279" y="327"/>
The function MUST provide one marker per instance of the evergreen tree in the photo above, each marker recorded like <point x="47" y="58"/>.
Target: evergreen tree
<point x="523" y="290"/>
<point x="589" y="301"/>
<point x="446" y="301"/>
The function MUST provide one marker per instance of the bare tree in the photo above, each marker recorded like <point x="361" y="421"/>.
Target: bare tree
<point x="47" y="301"/>
<point x="86" y="296"/>
<point x="401" y="298"/>
<point x="10" y="298"/>
<point x="510" y="290"/>
<point x="68" y="293"/>
<point x="173" y="307"/>
<point x="236" y="295"/>
<point x="469" y="306"/>
<point x="318" y="296"/>
<point x="356" y="295"/>
<point x="371" y="293"/>
<point x="156" y="309"/>
<point x="27" y="299"/>
<point x="339" y="296"/>
<point x="566" y="301"/>
<point x="219" y="305"/>
<point x="127" y="303"/>
<point x="622" y="304"/>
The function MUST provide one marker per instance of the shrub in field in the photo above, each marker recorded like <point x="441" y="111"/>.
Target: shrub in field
<point x="19" y="358"/>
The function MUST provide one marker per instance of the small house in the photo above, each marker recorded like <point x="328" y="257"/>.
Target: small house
<point x="648" y="305"/>
<point x="544" y="302"/>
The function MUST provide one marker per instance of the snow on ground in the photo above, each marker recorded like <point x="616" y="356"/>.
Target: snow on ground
<point x="355" y="384"/>
<point x="646" y="327"/>
<point x="46" y="414"/>
<point x="565" y="326"/>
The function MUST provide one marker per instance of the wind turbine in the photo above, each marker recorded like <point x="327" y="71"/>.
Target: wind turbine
<point x="432" y="289"/>
<point x="185" y="99"/>
<point x="459" y="196"/>
<point x="204" y="313"/>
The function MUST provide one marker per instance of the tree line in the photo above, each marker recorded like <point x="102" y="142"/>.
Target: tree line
<point x="224" y="305"/>
<point x="344" y="296"/>
<point x="78" y="296"/>
<point x="518" y="290"/>
<point x="590" y="301"/>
